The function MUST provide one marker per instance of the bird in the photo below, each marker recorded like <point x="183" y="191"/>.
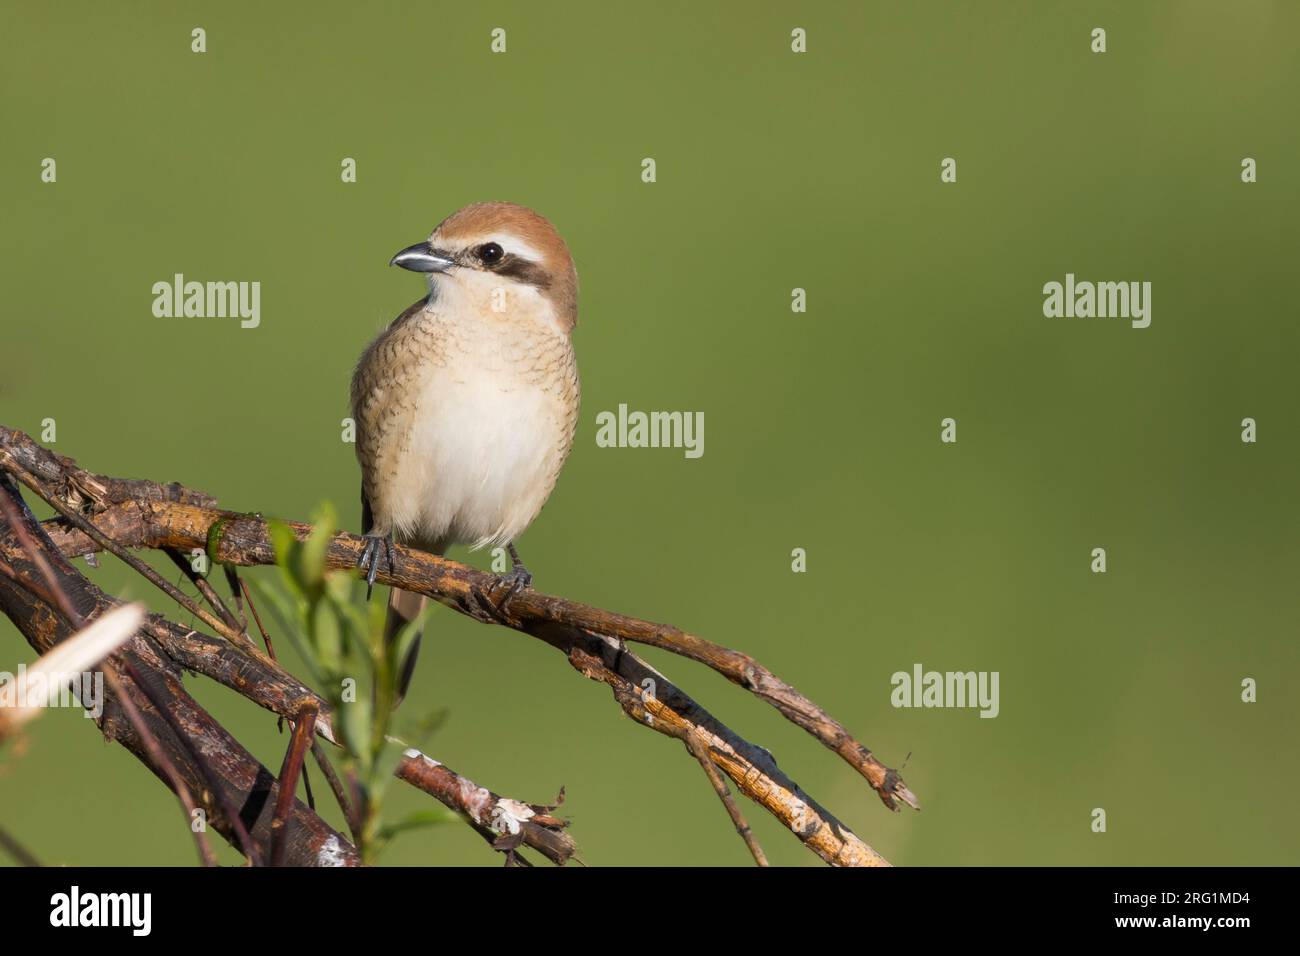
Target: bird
<point x="466" y="405"/>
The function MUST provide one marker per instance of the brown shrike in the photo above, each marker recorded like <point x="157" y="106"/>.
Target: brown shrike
<point x="466" y="405"/>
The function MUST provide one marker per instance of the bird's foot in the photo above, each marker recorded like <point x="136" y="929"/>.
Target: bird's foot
<point x="485" y="606"/>
<point x="515" y="580"/>
<point x="369" y="560"/>
<point x="480" y="606"/>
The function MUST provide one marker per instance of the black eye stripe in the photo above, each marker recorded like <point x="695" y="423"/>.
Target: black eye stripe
<point x="523" y="270"/>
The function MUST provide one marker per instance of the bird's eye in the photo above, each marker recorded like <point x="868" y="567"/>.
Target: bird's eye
<point x="490" y="253"/>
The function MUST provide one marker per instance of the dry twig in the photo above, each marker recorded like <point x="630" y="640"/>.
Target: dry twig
<point x="134" y="514"/>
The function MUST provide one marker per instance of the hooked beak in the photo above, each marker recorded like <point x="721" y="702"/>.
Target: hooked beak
<point x="421" y="258"/>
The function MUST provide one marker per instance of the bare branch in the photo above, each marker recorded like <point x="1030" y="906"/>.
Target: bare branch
<point x="243" y="540"/>
<point x="720" y="787"/>
<point x="593" y="639"/>
<point x="16" y="521"/>
<point x="304" y="728"/>
<point x="161" y="760"/>
<point x="204" y="588"/>
<point x="247" y="784"/>
<point x="246" y="844"/>
<point x="483" y="809"/>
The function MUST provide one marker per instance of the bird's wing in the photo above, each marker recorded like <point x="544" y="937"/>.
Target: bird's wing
<point x="382" y="403"/>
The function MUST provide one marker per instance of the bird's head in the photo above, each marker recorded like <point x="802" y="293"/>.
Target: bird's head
<point x="498" y="257"/>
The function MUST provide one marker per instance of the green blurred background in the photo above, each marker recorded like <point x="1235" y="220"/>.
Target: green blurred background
<point x="775" y="171"/>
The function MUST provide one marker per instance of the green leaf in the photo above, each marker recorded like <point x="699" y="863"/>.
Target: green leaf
<point x="284" y="619"/>
<point x="326" y="636"/>
<point x="310" y="564"/>
<point x="401" y="645"/>
<point x="386" y="761"/>
<point x="351" y="612"/>
<point x="283" y="540"/>
<point x="354" y="727"/>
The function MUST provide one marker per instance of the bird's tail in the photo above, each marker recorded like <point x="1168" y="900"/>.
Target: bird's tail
<point x="403" y="607"/>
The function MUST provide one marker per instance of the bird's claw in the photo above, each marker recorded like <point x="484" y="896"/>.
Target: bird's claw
<point x="515" y="580"/>
<point x="482" y="608"/>
<point x="369" y="560"/>
<point x="487" y="608"/>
